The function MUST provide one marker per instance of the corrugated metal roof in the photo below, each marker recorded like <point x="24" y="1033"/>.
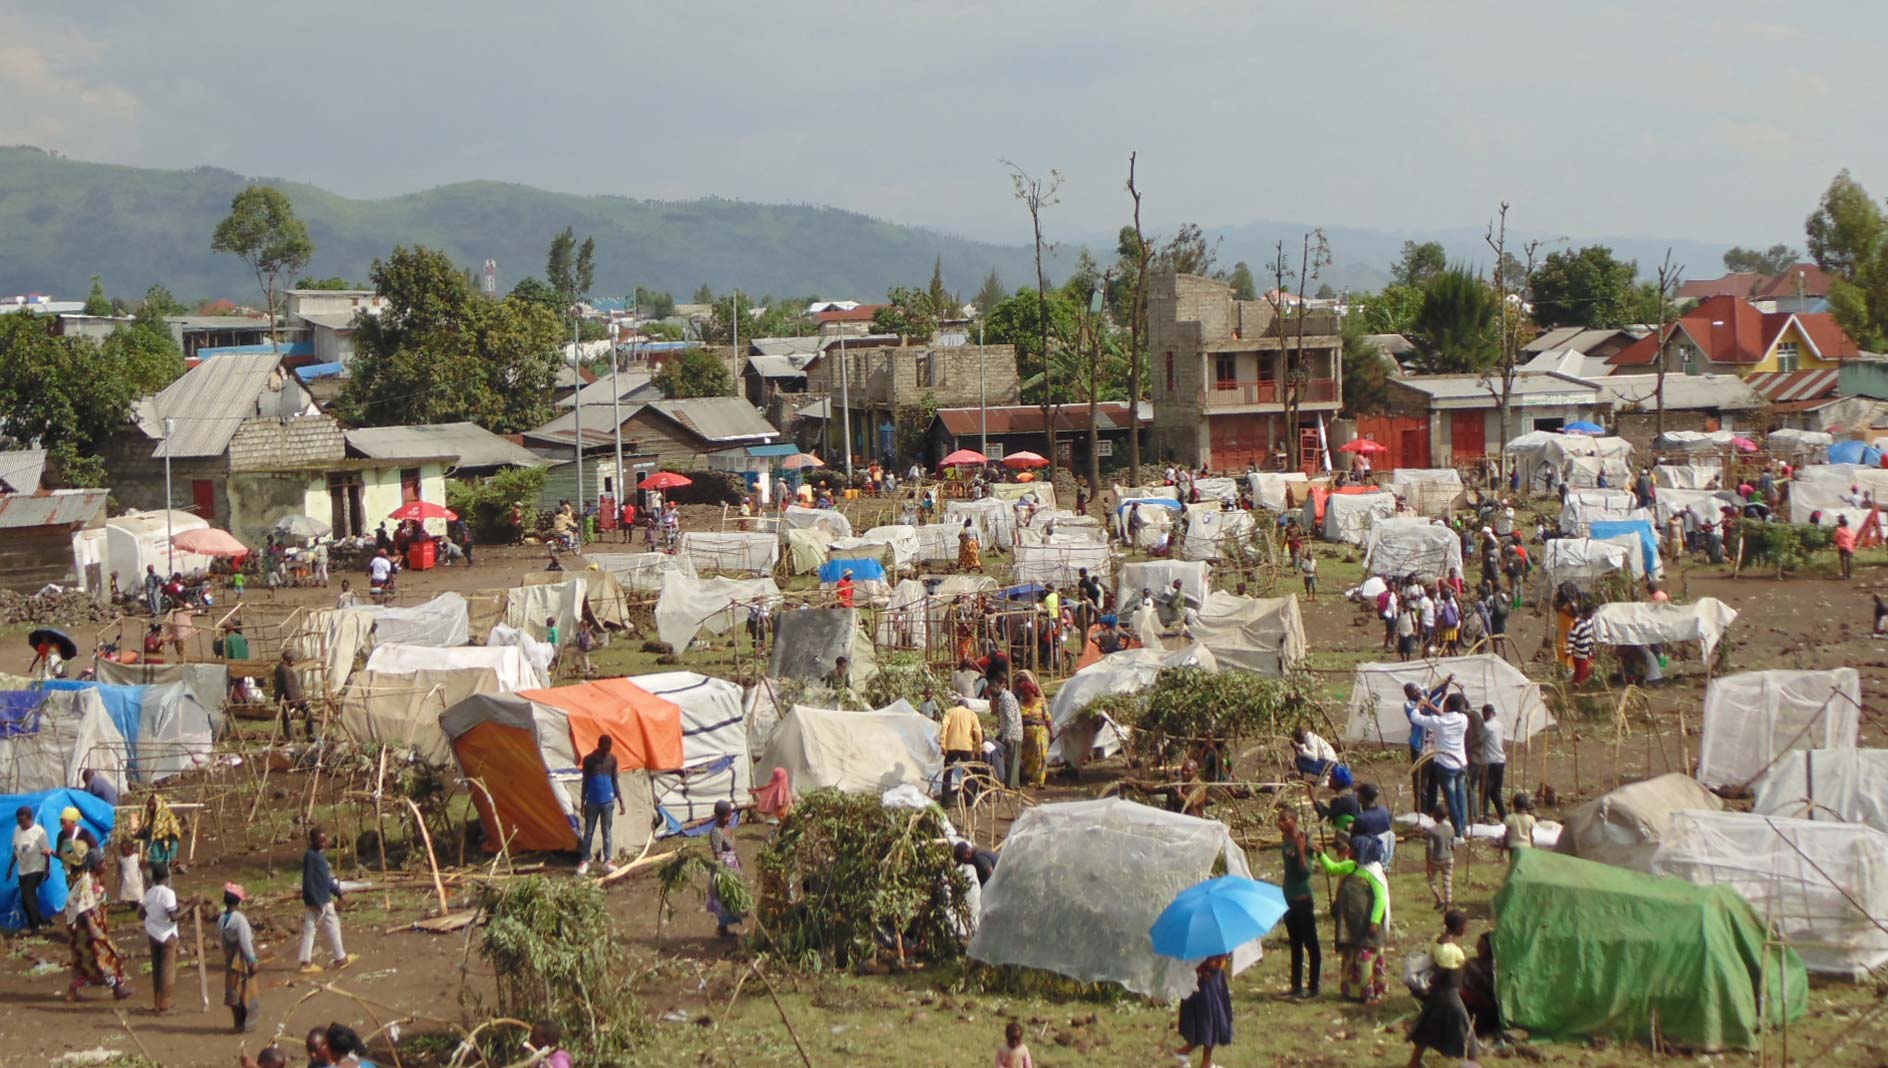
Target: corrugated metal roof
<point x="1477" y="387"/>
<point x="819" y="409"/>
<point x="54" y="508"/>
<point x="1682" y="392"/>
<point x="218" y="322"/>
<point x="777" y="367"/>
<point x="637" y="386"/>
<point x="20" y="471"/>
<point x="473" y="445"/>
<point x="1791" y="387"/>
<point x="331" y="320"/>
<point x="717" y="418"/>
<point x="783" y="346"/>
<point x="1027" y="418"/>
<point x="213" y="398"/>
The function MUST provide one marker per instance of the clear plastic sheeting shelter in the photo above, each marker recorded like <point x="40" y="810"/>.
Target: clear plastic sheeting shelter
<point x="937" y="542"/>
<point x="442" y="621"/>
<point x="1428" y="491"/>
<point x="1158" y="515"/>
<point x="1582" y="561"/>
<point x="808" y="642"/>
<point x="1157" y="575"/>
<point x="1625" y="826"/>
<point x="1275" y="491"/>
<point x="1376" y="696"/>
<point x="1409" y="545"/>
<point x="1263" y="635"/>
<point x="1348" y="516"/>
<point x="1834" y="784"/>
<point x="1581" y="507"/>
<point x="1060" y="563"/>
<point x="689" y="606"/>
<point x="1823" y="885"/>
<point x="1211" y="532"/>
<point x="165" y="732"/>
<point x="1663" y="623"/>
<point x="510" y="663"/>
<point x="1687" y="477"/>
<point x="853" y="752"/>
<point x="993" y="519"/>
<point x="48" y="737"/>
<point x="402" y="710"/>
<point x="830" y="520"/>
<point x="1129" y="671"/>
<point x="807" y="549"/>
<point x="1808" y="445"/>
<point x="731" y="550"/>
<point x="716" y="763"/>
<point x="1752" y="718"/>
<point x="1081" y="882"/>
<point x="641" y="572"/>
<point x="527" y="607"/>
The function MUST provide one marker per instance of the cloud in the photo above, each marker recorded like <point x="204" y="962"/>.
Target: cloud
<point x="55" y="99"/>
<point x="1757" y="138"/>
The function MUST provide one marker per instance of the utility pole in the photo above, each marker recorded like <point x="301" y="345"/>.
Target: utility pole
<point x="983" y="398"/>
<point x="734" y="324"/>
<point x="576" y="376"/>
<point x="845" y="406"/>
<point x="616" y="411"/>
<point x="170" y="559"/>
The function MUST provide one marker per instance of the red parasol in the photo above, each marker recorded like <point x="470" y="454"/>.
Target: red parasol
<point x="662" y="480"/>
<point x="1024" y="459"/>
<point x="209" y="541"/>
<point x="422" y="510"/>
<point x="1363" y="445"/>
<point x="962" y="457"/>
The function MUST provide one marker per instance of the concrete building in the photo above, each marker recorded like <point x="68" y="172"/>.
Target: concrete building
<point x="1446" y="420"/>
<point x="329" y="317"/>
<point x="870" y="383"/>
<point x="1221" y="372"/>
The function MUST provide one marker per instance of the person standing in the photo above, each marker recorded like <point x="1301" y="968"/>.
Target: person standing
<point x="320" y="894"/>
<point x="288" y="691"/>
<point x="1439" y="856"/>
<point x="1444" y="1023"/>
<point x="1580" y="645"/>
<point x="1036" y="730"/>
<point x="1301" y="919"/>
<point x="1206" y="1014"/>
<point x="961" y="738"/>
<point x="239" y="960"/>
<point x="1362" y="903"/>
<point x="31" y="856"/>
<point x="1308" y="566"/>
<point x="159" y="912"/>
<point x="95" y="957"/>
<point x="1447" y="732"/>
<point x="99" y="785"/>
<point x="153" y="590"/>
<point x="161" y="833"/>
<point x="602" y="788"/>
<point x="1844" y="539"/>
<point x="721" y="847"/>
<point x="1491" y="751"/>
<point x="1009" y="727"/>
<point x="1520" y="826"/>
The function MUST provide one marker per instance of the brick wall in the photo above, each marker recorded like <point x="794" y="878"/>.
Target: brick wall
<point x="893" y="376"/>
<point x="272" y="444"/>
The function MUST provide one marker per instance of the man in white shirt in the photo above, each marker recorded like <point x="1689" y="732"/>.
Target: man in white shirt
<point x="1445" y="733"/>
<point x="1315" y="757"/>
<point x="159" y="912"/>
<point x="31" y="850"/>
<point x="380" y="571"/>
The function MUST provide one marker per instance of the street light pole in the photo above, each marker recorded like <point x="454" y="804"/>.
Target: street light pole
<point x="170" y="550"/>
<point x="845" y="406"/>
<point x="576" y="376"/>
<point x="983" y="400"/>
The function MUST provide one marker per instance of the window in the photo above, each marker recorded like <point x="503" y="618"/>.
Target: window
<point x="1105" y="448"/>
<point x="1225" y="374"/>
<point x="1786" y="356"/>
<point x="927" y="369"/>
<point x="409" y="485"/>
<point x="1171" y="386"/>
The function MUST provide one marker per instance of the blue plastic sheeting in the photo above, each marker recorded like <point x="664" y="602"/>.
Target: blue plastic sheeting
<point x="125" y="705"/>
<point x="672" y="826"/>
<point x="1648" y="541"/>
<point x="293" y="348"/>
<point x="863" y="570"/>
<point x="1029" y="590"/>
<point x="788" y="449"/>
<point x="97" y="817"/>
<point x="1152" y="502"/>
<point x="320" y="370"/>
<point x="1854" y="452"/>
<point x="19" y="712"/>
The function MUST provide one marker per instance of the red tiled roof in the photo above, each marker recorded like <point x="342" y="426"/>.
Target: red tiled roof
<point x="861" y="314"/>
<point x="1027" y="418"/>
<point x="1737" y="284"/>
<point x="1816" y="282"/>
<point x="1731" y="331"/>
<point x="1831" y="341"/>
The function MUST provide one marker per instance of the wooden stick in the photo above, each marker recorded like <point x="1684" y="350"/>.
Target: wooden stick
<point x="431" y="860"/>
<point x="126" y="1024"/>
<point x="203" y="977"/>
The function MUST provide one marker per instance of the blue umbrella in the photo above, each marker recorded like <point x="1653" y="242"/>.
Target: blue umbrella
<point x="1583" y="427"/>
<point x="1217" y="916"/>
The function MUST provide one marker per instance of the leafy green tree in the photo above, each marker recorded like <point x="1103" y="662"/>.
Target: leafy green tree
<point x="586" y="274"/>
<point x="334" y="283"/>
<point x="990" y="295"/>
<point x="1243" y="287"/>
<point x="1016" y="322"/>
<point x="943" y="305"/>
<point x="534" y="290"/>
<point x="1455" y="332"/>
<point x="1187" y="252"/>
<point x="96" y="303"/>
<point x="1850" y="304"/>
<point x="908" y="313"/>
<point x="1771" y="261"/>
<point x="144" y="353"/>
<point x="1584" y="287"/>
<point x="1393" y="311"/>
<point x="70" y="393"/>
<point x="560" y="266"/>
<point x="441" y="353"/>
<point x="159" y="302"/>
<point x="1418" y="264"/>
<point x="703" y="295"/>
<point x="263" y="231"/>
<point x="661" y="331"/>
<point x="654" y="304"/>
<point x="1367" y="370"/>
<point x="1845" y="230"/>
<point x="781" y="318"/>
<point x="694" y="373"/>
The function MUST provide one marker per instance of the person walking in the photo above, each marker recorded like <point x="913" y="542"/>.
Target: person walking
<point x="1301" y="918"/>
<point x="159" y="912"/>
<point x="721" y="847"/>
<point x="32" y="854"/>
<point x="95" y="957"/>
<point x="288" y="691"/>
<point x="1359" y="910"/>
<point x="320" y="894"/>
<point x="239" y="960"/>
<point x="1844" y="539"/>
<point x="1580" y="645"/>
<point x="602" y="788"/>
<point x="1491" y="751"/>
<point x="1009" y="727"/>
<point x="1444" y="1023"/>
<point x="1206" y="1014"/>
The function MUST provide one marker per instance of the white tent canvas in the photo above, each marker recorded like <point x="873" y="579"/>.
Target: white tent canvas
<point x="1217" y="488"/>
<point x="995" y="520"/>
<point x="1128" y="671"/>
<point x="1122" y="494"/>
<point x="902" y="540"/>
<point x="1583" y="560"/>
<point x="807" y="549"/>
<point x="1156" y="521"/>
<point x="1813" y="444"/>
<point x="1753" y="717"/>
<point x="689" y="606"/>
<point x="1081" y="882"/>
<point x="508" y="663"/>
<point x="1269" y="488"/>
<point x="904" y="621"/>
<point x="50" y="737"/>
<point x="1583" y="506"/>
<point x="1833" y="784"/>
<point x="716" y="762"/>
<point x="1263" y="635"/>
<point x="830" y="520"/>
<point x="1376" y="696"/>
<point x="527" y="607"/>
<point x="854" y="752"/>
<point x="1686" y="477"/>
<point x="1624" y="826"/>
<point x="1039" y="494"/>
<point x="732" y="550"/>
<point x="442" y="621"/>
<point x="1061" y="563"/>
<point x="641" y="572"/>
<point x="1211" y="532"/>
<point x="1703" y="504"/>
<point x="1404" y="545"/>
<point x="937" y="542"/>
<point x="402" y="710"/>
<point x="1347" y="516"/>
<point x="1641" y="623"/>
<point x="1157" y="575"/>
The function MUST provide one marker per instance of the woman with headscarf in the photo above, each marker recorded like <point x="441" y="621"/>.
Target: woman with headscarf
<point x="239" y="960"/>
<point x="776" y="798"/>
<point x="161" y="832"/>
<point x="95" y="958"/>
<point x="969" y="548"/>
<point x="721" y="846"/>
<point x="1036" y="736"/>
<point x="1361" y="911"/>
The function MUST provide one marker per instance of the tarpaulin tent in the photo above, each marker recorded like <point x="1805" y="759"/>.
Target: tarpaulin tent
<point x="1583" y="506"/>
<point x="527" y="747"/>
<point x="1662" y="623"/>
<point x="327" y="641"/>
<point x="1128" y="671"/>
<point x="807" y="549"/>
<point x="1157" y="575"/>
<point x="1686" y="477"/>
<point x="831" y="520"/>
<point x="903" y="623"/>
<point x="1810" y="444"/>
<point x="540" y="655"/>
<point x="731" y="550"/>
<point x="1704" y="505"/>
<point x="1269" y="489"/>
<point x="1822" y="884"/>
<point x="1854" y="452"/>
<point x="1211" y="532"/>
<point x="1754" y="717"/>
<point x="205" y="684"/>
<point x="137" y="540"/>
<point x="48" y="737"/>
<point x="510" y="663"/>
<point x="1639" y="527"/>
<point x="1376" y="696"/>
<point x="808" y="641"/>
<point x="1081" y="882"/>
<point x="1041" y="494"/>
<point x="1690" y="441"/>
<point x="402" y="710"/>
<point x="1581" y="459"/>
<point x="715" y="604"/>
<point x="1158" y="515"/>
<point x="1837" y="784"/>
<point x="937" y="542"/>
<point x="46" y="805"/>
<point x="1060" y="563"/>
<point x="1428" y="491"/>
<point x="716" y="763"/>
<point x="901" y="539"/>
<point x="1347" y="516"/>
<point x="1624" y="827"/>
<point x="527" y="607"/>
<point x="1410" y="545"/>
<point x="1586" y="949"/>
<point x="854" y="752"/>
<point x="1123" y="494"/>
<point x="603" y="596"/>
<point x="993" y="518"/>
<point x="442" y="621"/>
<point x="641" y="572"/>
<point x="1263" y="635"/>
<point x="1583" y="560"/>
<point x="1217" y="488"/>
<point x="165" y="732"/>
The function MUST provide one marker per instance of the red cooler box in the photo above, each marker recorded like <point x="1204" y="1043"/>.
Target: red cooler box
<point x="422" y="555"/>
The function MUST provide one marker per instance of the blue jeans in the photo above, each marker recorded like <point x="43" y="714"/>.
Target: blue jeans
<point x="592" y="816"/>
<point x="1454" y="795"/>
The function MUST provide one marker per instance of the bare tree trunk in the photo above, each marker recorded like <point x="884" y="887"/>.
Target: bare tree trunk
<point x="1668" y="283"/>
<point x="1036" y="194"/>
<point x="1510" y="337"/>
<point x="1137" y="325"/>
<point x="1094" y="386"/>
<point x="1281" y="274"/>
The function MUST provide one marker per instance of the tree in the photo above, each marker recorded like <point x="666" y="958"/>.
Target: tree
<point x="1367" y="371"/>
<point x="1392" y="311"/>
<point x="1243" y="287"/>
<point x="534" y="290"/>
<point x="262" y="231"/>
<point x="943" y="305"/>
<point x="1132" y="246"/>
<point x="143" y="353"/>
<point x="990" y="295"/>
<point x="1325" y="292"/>
<point x="1584" y="287"/>
<point x="1667" y="288"/>
<point x="560" y="266"/>
<point x="703" y="295"/>
<point x="1188" y="252"/>
<point x="694" y="373"/>
<point x="1511" y="327"/>
<point x="70" y="393"/>
<point x="1845" y="229"/>
<point x="653" y="304"/>
<point x="332" y="283"/>
<point x="1017" y="322"/>
<point x="1036" y="194"/>
<point x="441" y="353"/>
<point x="1455" y="332"/>
<point x="1771" y="261"/>
<point x="1314" y="256"/>
<point x="159" y="302"/>
<point x="909" y="313"/>
<point x="586" y="272"/>
<point x="1419" y="264"/>
<point x="96" y="303"/>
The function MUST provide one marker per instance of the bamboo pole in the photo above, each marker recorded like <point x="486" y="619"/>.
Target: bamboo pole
<point x="431" y="860"/>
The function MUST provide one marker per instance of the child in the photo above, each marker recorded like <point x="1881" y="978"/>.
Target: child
<point x="159" y="912"/>
<point x="1444" y="1024"/>
<point x="1012" y="1053"/>
<point x="1206" y="1014"/>
<point x="1439" y="841"/>
<point x="236" y="582"/>
<point x="130" y="874"/>
<point x="1520" y="824"/>
<point x="1309" y="565"/>
<point x="546" y="1035"/>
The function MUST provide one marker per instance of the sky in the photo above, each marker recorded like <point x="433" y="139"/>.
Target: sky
<point x="1716" y="121"/>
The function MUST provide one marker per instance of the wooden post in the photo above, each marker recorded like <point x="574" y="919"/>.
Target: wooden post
<point x="203" y="977"/>
<point x="431" y="860"/>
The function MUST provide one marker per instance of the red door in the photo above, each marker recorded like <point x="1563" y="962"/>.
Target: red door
<point x="409" y="485"/>
<point x="203" y="499"/>
<point x="1468" y="433"/>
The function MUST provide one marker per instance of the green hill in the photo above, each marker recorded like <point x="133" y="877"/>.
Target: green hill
<point x="66" y="220"/>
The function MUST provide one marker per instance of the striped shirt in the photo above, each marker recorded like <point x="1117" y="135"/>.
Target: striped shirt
<point x="1580" y="640"/>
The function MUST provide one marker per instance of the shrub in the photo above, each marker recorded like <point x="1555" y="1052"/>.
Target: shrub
<point x="1188" y="704"/>
<point x="485" y="504"/>
<point x="552" y="947"/>
<point x="1786" y="545"/>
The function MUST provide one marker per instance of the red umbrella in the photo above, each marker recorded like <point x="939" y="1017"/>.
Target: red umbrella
<point x="1024" y="459"/>
<point x="963" y="456"/>
<point x="662" y="480"/>
<point x="1743" y="445"/>
<point x="1362" y="445"/>
<point x="802" y="461"/>
<point x="209" y="541"/>
<point x="422" y="510"/>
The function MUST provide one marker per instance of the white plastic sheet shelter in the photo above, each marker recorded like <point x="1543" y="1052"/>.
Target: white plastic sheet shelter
<point x="327" y="641"/>
<point x="641" y="572"/>
<point x="807" y="549"/>
<point x="1808" y="444"/>
<point x="1124" y="494"/>
<point x="1704" y="505"/>
<point x="402" y="710"/>
<point x="1040" y="494"/>
<point x="48" y="737"/>
<point x="1582" y="506"/>
<point x="442" y="621"/>
<point x="1211" y="532"/>
<point x="1069" y="534"/>
<point x="1376" y="696"/>
<point x="1848" y="785"/>
<point x="1270" y="488"/>
<point x="166" y="733"/>
<point x="205" y="684"/>
<point x="1429" y="491"/>
<point x="603" y="596"/>
<point x="731" y="550"/>
<point x="901" y="539"/>
<point x="993" y="518"/>
<point x="1832" y="488"/>
<point x="716" y="762"/>
<point x="1822" y="884"/>
<point x="1081" y="882"/>
<point x="1347" y="516"/>
<point x="831" y="520"/>
<point x="853" y="752"/>
<point x="1060" y="563"/>
<point x="1584" y="560"/>
<point x="904" y="621"/>
<point x="937" y="542"/>
<point x="536" y="653"/>
<point x="1263" y="635"/>
<point x="527" y="607"/>
<point x="1575" y="459"/>
<point x="137" y="540"/>
<point x="1411" y="545"/>
<point x="1625" y="826"/>
<point x="1753" y="717"/>
<point x="509" y="663"/>
<point x="1128" y="671"/>
<point x="1217" y="488"/>
<point x="689" y="606"/>
<point x="1663" y="623"/>
<point x="1687" y="477"/>
<point x="1157" y="519"/>
<point x="1157" y="575"/>
<point x="1690" y="441"/>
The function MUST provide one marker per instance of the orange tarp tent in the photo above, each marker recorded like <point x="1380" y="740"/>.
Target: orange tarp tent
<point x="645" y="730"/>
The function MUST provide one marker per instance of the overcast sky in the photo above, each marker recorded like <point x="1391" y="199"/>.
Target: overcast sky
<point x="1711" y="121"/>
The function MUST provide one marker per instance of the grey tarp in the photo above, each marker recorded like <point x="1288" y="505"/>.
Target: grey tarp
<point x="1623" y="828"/>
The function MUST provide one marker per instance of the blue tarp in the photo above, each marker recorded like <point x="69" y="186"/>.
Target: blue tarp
<point x="125" y="705"/>
<point x="19" y="712"/>
<point x="293" y="348"/>
<point x="863" y="570"/>
<point x="1854" y="452"/>
<point x="320" y="370"/>
<point x="786" y="449"/>
<point x="1648" y="540"/>
<point x="98" y="818"/>
<point x="1156" y="502"/>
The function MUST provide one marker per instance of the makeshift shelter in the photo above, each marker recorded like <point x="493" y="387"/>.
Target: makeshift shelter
<point x="1277" y="491"/>
<point x="165" y="732"/>
<point x="994" y="519"/>
<point x="46" y="805"/>
<point x="732" y="550"/>
<point x="1704" y="505"/>
<point x="327" y="642"/>
<point x="1040" y="494"/>
<point x="901" y="540"/>
<point x="1685" y="442"/>
<point x="641" y="572"/>
<point x="1581" y="507"/>
<point x="1263" y="635"/>
<point x="137" y="540"/>
<point x="1427" y="491"/>
<point x="1823" y="885"/>
<point x="1639" y="529"/>
<point x="1211" y="531"/>
<point x="1807" y="445"/>
<point x="1124" y="494"/>
<point x="715" y="604"/>
<point x="1663" y="623"/>
<point x="1752" y="718"/>
<point x="853" y="752"/>
<point x="1576" y="459"/>
<point x="603" y="596"/>
<point x="716" y="762"/>
<point x="1060" y="563"/>
<point x="830" y="520"/>
<point x="402" y="709"/>
<point x="1128" y="671"/>
<point x="1158" y="515"/>
<point x="510" y="664"/>
<point x="1686" y="477"/>
<point x="1376" y="696"/>
<point x="442" y="621"/>
<point x="1081" y="882"/>
<point x="205" y="684"/>
<point x="807" y="549"/>
<point x="526" y="748"/>
<point x="1624" y="827"/>
<point x="1583" y="561"/>
<point x="1850" y="785"/>
<point x="1408" y="545"/>
<point x="1348" y="516"/>
<point x="808" y="641"/>
<point x="937" y="542"/>
<point x="527" y="607"/>
<point x="1157" y="575"/>
<point x="47" y="737"/>
<point x="1586" y="949"/>
<point x="903" y="623"/>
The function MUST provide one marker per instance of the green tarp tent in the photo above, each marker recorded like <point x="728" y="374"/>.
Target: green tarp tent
<point x="1588" y="949"/>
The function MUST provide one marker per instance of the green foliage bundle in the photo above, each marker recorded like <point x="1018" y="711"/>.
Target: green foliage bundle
<point x="909" y="313"/>
<point x="551" y="946"/>
<point x="902" y="676"/>
<point x="685" y="866"/>
<point x="70" y="393"/>
<point x="846" y="877"/>
<point x="694" y="373"/>
<point x="1785" y="545"/>
<point x="485" y="504"/>
<point x="1190" y="703"/>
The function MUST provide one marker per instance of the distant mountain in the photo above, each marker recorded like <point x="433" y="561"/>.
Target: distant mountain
<point x="65" y="220"/>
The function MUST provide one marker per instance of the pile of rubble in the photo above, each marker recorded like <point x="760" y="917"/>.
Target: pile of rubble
<point x="51" y="607"/>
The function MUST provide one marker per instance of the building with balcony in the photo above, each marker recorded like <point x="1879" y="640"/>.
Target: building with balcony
<point x="1229" y="379"/>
